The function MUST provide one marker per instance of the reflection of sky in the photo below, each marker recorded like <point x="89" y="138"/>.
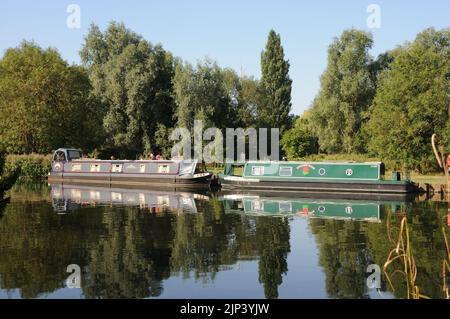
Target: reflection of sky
<point x="63" y="293"/>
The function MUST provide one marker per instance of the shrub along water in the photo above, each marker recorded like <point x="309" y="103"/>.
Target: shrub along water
<point x="7" y="178"/>
<point x="31" y="166"/>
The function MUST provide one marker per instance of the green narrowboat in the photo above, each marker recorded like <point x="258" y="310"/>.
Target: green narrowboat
<point x="336" y="177"/>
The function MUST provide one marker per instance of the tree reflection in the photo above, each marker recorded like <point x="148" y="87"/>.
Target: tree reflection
<point x="346" y="248"/>
<point x="132" y="257"/>
<point x="272" y="238"/>
<point x="343" y="256"/>
<point x="37" y="245"/>
<point x="126" y="252"/>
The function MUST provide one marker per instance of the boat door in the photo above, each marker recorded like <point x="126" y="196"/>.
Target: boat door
<point x="59" y="158"/>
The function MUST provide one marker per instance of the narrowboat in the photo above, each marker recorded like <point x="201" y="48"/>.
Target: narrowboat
<point x="66" y="198"/>
<point x="68" y="166"/>
<point x="330" y="177"/>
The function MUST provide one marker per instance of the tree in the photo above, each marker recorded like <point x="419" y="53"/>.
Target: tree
<point x="346" y="91"/>
<point x="299" y="141"/>
<point x="412" y="102"/>
<point x="133" y="80"/>
<point x="275" y="84"/>
<point x="250" y="101"/>
<point x="202" y="93"/>
<point x="45" y="102"/>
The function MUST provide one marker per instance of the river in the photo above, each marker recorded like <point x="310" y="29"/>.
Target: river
<point x="168" y="244"/>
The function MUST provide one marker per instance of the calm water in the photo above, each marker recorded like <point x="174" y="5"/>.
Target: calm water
<point x="156" y="244"/>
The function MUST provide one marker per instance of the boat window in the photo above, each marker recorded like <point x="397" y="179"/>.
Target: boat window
<point x="76" y="167"/>
<point x="257" y="206"/>
<point x="285" y="171"/>
<point x="234" y="170"/>
<point x="117" y="168"/>
<point x="258" y="170"/>
<point x="285" y="207"/>
<point x="59" y="156"/>
<point x="163" y="169"/>
<point x="200" y="168"/>
<point x="73" y="154"/>
<point x="142" y="168"/>
<point x="95" y="167"/>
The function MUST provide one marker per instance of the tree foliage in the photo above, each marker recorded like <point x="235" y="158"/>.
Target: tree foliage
<point x="299" y="141"/>
<point x="346" y="91"/>
<point x="133" y="80"/>
<point x="205" y="92"/>
<point x="412" y="102"/>
<point x="45" y="103"/>
<point x="276" y="85"/>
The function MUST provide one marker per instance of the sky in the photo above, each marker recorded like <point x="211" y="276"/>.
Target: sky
<point x="231" y="32"/>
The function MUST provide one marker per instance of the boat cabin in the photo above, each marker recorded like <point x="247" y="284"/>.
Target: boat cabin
<point x="306" y="170"/>
<point x="68" y="165"/>
<point x="66" y="154"/>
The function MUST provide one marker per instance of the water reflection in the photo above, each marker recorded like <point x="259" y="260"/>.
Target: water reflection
<point x="132" y="243"/>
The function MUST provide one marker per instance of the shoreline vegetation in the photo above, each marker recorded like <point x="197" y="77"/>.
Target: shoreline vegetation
<point x="128" y="95"/>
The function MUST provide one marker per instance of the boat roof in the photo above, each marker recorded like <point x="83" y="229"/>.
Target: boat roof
<point x="68" y="149"/>
<point x="307" y="162"/>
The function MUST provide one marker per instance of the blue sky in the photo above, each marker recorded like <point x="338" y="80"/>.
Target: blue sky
<point x="231" y="32"/>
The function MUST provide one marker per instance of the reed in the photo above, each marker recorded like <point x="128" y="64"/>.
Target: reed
<point x="403" y="253"/>
<point x="445" y="266"/>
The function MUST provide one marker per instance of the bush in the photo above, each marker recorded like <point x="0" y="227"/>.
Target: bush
<point x="33" y="166"/>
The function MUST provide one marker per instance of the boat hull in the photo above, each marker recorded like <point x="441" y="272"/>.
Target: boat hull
<point x="202" y="182"/>
<point x="383" y="187"/>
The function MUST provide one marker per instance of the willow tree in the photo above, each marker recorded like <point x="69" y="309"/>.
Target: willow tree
<point x="204" y="92"/>
<point x="346" y="91"/>
<point x="133" y="80"/>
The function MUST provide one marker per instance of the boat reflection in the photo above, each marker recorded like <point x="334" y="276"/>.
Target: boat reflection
<point x="66" y="198"/>
<point x="346" y="209"/>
